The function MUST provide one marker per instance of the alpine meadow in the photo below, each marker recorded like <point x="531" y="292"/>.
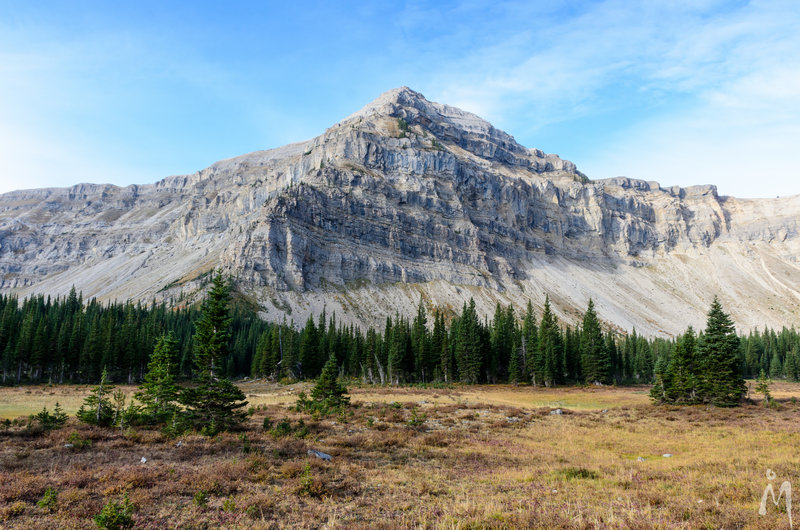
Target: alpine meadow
<point x="411" y="319"/>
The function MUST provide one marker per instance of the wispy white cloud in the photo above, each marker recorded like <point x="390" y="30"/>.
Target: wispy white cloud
<point x="686" y="90"/>
<point x="680" y="91"/>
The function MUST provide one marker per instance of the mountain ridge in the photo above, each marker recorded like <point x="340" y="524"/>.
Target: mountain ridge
<point x="403" y="199"/>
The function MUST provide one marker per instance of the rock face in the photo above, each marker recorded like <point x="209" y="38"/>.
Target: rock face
<point x="406" y="199"/>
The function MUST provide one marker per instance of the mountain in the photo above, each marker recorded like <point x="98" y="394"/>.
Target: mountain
<point x="404" y="199"/>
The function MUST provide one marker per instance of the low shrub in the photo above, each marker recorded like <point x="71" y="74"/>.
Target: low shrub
<point x="115" y="515"/>
<point x="49" y="500"/>
<point x="51" y="421"/>
<point x="77" y="441"/>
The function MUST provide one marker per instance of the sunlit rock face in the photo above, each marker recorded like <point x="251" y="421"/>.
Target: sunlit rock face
<point x="409" y="199"/>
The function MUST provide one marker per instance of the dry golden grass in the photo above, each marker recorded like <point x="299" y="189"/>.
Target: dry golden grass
<point x="22" y="401"/>
<point x="482" y="457"/>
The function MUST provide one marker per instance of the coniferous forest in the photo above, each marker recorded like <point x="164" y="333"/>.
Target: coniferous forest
<point x="67" y="340"/>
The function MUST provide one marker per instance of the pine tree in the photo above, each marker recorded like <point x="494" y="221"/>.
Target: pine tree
<point x="762" y="387"/>
<point x="776" y="366"/>
<point x="721" y="382"/>
<point x="573" y="355"/>
<point x="215" y="403"/>
<point x="309" y="347"/>
<point x="97" y="408"/>
<point x="399" y="351"/>
<point x="613" y="354"/>
<point x="596" y="366"/>
<point x="514" y="371"/>
<point x="663" y="376"/>
<point x="793" y="364"/>
<point x="159" y="393"/>
<point x="501" y="341"/>
<point x="468" y="344"/>
<point x="529" y="344"/>
<point x="212" y="330"/>
<point x="685" y="370"/>
<point x="512" y="334"/>
<point x="38" y="350"/>
<point x="551" y="350"/>
<point x="438" y="353"/>
<point x="421" y="345"/>
<point x="257" y="368"/>
<point x="328" y="392"/>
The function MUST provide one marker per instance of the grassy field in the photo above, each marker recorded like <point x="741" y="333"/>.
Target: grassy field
<point x="466" y="457"/>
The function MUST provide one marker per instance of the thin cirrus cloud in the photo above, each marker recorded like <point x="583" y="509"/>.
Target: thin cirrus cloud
<point x="679" y="92"/>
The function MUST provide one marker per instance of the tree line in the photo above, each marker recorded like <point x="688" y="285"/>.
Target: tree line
<point x="706" y="368"/>
<point x="67" y="340"/>
<point x="209" y="403"/>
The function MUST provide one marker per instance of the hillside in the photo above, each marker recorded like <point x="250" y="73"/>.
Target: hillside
<point x="409" y="198"/>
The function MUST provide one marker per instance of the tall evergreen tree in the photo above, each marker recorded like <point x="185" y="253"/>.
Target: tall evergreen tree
<point x="159" y="393"/>
<point x="776" y="366"/>
<point x="662" y="381"/>
<point x="551" y="350"/>
<point x="212" y="329"/>
<point x="399" y="351"/>
<point x="309" y="348"/>
<point x="685" y="370"/>
<point x="721" y="383"/>
<point x="468" y="345"/>
<point x="529" y="343"/>
<point x="596" y="365"/>
<point x="439" y="352"/>
<point x="215" y="403"/>
<point x="421" y="345"/>
<point x="793" y="364"/>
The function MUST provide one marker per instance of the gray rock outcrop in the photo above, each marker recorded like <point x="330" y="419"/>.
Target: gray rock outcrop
<point x="406" y="199"/>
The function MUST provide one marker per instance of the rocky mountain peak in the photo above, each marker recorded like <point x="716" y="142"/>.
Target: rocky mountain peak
<point x="404" y="102"/>
<point x="444" y="125"/>
<point x="408" y="199"/>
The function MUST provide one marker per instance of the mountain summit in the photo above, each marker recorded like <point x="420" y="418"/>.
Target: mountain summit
<point x="408" y="199"/>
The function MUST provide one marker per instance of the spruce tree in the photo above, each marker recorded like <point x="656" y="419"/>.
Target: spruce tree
<point x="684" y="370"/>
<point x="762" y="387"/>
<point x="529" y="341"/>
<point x="663" y="376"/>
<point x="514" y="371"/>
<point x="159" y="393"/>
<point x="496" y="341"/>
<point x="328" y="392"/>
<point x="776" y="366"/>
<point x="212" y="330"/>
<point x="468" y="344"/>
<point x="438" y="342"/>
<point x="550" y="351"/>
<point x="421" y="345"/>
<point x="596" y="365"/>
<point x="97" y="408"/>
<point x="721" y="383"/>
<point x="399" y="351"/>
<point x="215" y="403"/>
<point x="309" y="347"/>
<point x="793" y="364"/>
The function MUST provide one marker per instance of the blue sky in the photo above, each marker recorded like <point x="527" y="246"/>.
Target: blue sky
<point x="682" y="92"/>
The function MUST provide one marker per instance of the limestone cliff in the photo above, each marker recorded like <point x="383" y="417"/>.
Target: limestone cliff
<point x="410" y="198"/>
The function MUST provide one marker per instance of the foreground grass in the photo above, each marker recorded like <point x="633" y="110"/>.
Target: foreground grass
<point x="27" y="400"/>
<point x="480" y="457"/>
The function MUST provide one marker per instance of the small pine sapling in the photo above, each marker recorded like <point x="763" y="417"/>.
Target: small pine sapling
<point x="762" y="387"/>
<point x="96" y="408"/>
